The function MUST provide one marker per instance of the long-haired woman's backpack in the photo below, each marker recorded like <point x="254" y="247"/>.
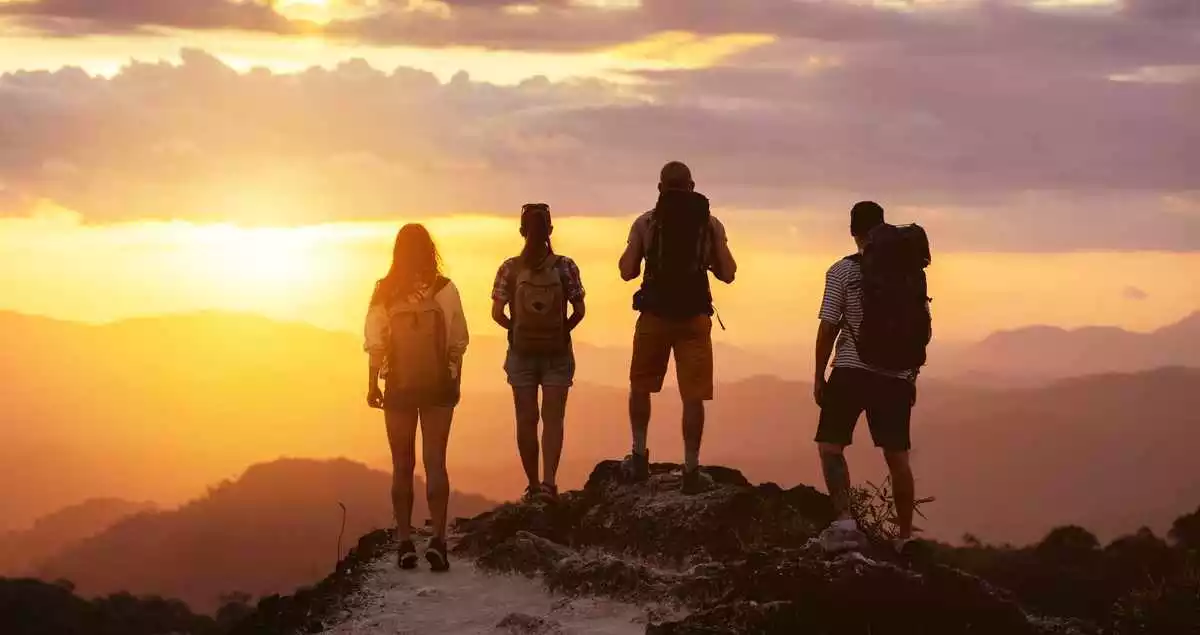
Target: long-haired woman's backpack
<point x="418" y="361"/>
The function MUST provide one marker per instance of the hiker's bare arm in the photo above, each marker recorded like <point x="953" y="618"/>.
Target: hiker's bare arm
<point x="499" y="316"/>
<point x="375" y="333"/>
<point x="826" y="336"/>
<point x="374" y="393"/>
<point x="631" y="260"/>
<point x="724" y="267"/>
<point x="578" y="310"/>
<point x="457" y="336"/>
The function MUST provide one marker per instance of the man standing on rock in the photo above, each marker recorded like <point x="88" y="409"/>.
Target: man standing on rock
<point x="876" y="310"/>
<point x="680" y="241"/>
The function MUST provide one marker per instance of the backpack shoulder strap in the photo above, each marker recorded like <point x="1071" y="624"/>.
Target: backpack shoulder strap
<point x="654" y="237"/>
<point x="706" y="251"/>
<point x="429" y="296"/>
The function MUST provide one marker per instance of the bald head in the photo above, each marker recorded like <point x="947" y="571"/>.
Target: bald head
<point x="676" y="176"/>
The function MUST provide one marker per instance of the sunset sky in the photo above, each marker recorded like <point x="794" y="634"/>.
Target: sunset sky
<point x="163" y="156"/>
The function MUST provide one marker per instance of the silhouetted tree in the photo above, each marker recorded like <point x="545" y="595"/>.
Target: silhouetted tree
<point x="1068" y="544"/>
<point x="1141" y="556"/>
<point x="31" y="606"/>
<point x="1186" y="531"/>
<point x="235" y="607"/>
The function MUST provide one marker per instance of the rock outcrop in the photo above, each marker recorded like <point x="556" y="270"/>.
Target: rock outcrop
<point x="735" y="559"/>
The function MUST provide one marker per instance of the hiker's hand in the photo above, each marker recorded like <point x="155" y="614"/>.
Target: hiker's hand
<point x="375" y="397"/>
<point x="819" y="390"/>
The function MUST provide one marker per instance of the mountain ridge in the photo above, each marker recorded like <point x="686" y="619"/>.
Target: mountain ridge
<point x="948" y="360"/>
<point x="267" y="531"/>
<point x="21" y="551"/>
<point x="183" y="410"/>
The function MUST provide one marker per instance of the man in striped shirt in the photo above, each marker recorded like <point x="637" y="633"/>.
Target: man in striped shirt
<point x="855" y="387"/>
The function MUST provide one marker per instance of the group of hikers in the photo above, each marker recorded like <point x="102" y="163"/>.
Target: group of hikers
<point x="875" y="313"/>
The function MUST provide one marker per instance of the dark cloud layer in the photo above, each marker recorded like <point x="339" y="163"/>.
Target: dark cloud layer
<point x="1159" y="29"/>
<point x="1007" y="162"/>
<point x="1025" y="129"/>
<point x="81" y="17"/>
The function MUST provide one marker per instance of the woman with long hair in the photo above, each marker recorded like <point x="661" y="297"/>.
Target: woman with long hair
<point x="536" y="287"/>
<point x="416" y="336"/>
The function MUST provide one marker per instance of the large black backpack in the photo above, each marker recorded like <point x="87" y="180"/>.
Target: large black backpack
<point x="896" y="326"/>
<point x="676" y="281"/>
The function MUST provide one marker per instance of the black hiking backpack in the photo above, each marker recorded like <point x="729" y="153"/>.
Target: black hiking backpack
<point x="676" y="284"/>
<point x="896" y="326"/>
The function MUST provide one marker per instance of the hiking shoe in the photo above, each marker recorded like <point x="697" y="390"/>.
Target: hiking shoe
<point x="435" y="553"/>
<point x="549" y="493"/>
<point x="843" y="535"/>
<point x="636" y="466"/>
<point x="407" y="556"/>
<point x="533" y="494"/>
<point x="696" y="482"/>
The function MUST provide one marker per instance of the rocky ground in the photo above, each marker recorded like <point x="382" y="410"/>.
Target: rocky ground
<point x="737" y="559"/>
<point x="620" y="557"/>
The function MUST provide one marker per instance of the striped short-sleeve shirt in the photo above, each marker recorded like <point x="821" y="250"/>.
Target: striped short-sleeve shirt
<point x="842" y="305"/>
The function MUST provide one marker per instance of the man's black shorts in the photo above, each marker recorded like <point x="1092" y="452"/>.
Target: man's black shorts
<point x="887" y="401"/>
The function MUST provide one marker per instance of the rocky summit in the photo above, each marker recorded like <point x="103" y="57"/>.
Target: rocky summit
<point x="736" y="559"/>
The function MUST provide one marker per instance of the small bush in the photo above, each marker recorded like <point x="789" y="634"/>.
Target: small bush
<point x="874" y="506"/>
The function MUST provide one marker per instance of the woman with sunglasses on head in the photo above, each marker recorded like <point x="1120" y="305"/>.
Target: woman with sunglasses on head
<point x="416" y="336"/>
<point x="536" y="288"/>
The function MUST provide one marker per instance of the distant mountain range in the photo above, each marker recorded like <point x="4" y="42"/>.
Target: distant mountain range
<point x="158" y="409"/>
<point x="21" y="551"/>
<point x="1111" y="452"/>
<point x="270" y="531"/>
<point x="1037" y="353"/>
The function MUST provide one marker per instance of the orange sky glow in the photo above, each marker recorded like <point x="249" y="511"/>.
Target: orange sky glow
<point x="295" y="264"/>
<point x="322" y="275"/>
<point x="168" y="157"/>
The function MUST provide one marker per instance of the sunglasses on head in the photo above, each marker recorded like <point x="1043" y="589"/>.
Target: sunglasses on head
<point x="539" y="206"/>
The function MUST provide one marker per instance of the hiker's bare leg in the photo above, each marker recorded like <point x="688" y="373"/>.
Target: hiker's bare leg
<point x="693" y="432"/>
<point x="837" y="478"/>
<point x="639" y="419"/>
<point x="904" y="490"/>
<point x="692" y="344"/>
<point x="526" y="400"/>
<point x="402" y="435"/>
<point x="554" y="412"/>
<point x="435" y="437"/>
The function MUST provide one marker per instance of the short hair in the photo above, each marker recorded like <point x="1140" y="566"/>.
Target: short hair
<point x="865" y="216"/>
<point x="676" y="175"/>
